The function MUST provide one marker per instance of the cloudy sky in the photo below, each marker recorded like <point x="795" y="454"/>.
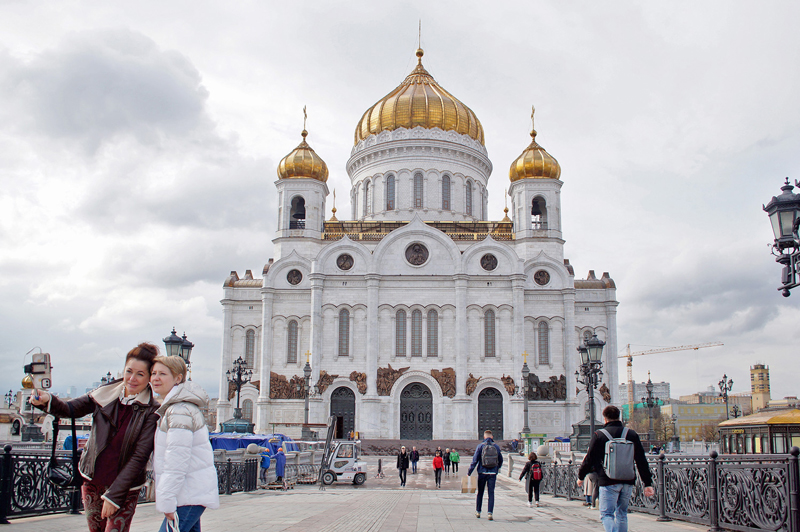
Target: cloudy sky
<point x="138" y="146"/>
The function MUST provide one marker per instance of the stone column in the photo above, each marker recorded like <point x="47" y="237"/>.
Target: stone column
<point x="373" y="334"/>
<point x="224" y="411"/>
<point x="518" y="324"/>
<point x="462" y="420"/>
<point x="262" y="408"/>
<point x="317" y="284"/>
<point x="571" y="415"/>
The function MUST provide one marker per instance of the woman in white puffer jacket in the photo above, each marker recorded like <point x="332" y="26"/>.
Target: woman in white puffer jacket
<point x="183" y="461"/>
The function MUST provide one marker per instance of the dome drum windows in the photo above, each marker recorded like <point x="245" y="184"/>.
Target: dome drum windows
<point x="367" y="199"/>
<point x="446" y="193"/>
<point x="468" y="198"/>
<point x="418" y="191"/>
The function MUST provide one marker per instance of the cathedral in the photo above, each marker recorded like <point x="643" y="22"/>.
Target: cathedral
<point x="417" y="313"/>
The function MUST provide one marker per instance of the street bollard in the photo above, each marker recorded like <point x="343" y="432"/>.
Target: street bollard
<point x="662" y="490"/>
<point x="712" y="492"/>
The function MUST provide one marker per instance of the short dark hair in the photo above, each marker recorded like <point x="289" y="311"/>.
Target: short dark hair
<point x="611" y="413"/>
<point x="532" y="456"/>
<point x="145" y="352"/>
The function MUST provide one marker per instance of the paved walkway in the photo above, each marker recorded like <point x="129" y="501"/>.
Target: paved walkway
<point x="378" y="506"/>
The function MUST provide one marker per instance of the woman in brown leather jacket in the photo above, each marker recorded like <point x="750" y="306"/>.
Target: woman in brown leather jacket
<point x="123" y="427"/>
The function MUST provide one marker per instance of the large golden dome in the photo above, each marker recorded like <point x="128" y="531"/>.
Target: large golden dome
<point x="534" y="163"/>
<point x="303" y="162"/>
<point x="419" y="101"/>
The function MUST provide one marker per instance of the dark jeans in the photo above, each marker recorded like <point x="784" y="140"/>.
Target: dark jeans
<point x="188" y="519"/>
<point x="403" y="477"/>
<point x="437" y="475"/>
<point x="447" y="467"/>
<point x="533" y="490"/>
<point x="485" y="481"/>
<point x="414" y="467"/>
<point x="455" y="466"/>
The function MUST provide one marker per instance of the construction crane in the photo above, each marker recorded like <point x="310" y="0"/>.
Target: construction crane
<point x="630" y="356"/>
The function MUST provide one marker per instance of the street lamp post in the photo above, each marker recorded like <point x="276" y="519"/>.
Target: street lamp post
<point x="737" y="410"/>
<point x="590" y="371"/>
<point x="305" y="389"/>
<point x="784" y="215"/>
<point x="725" y="386"/>
<point x="106" y="379"/>
<point x="650" y="402"/>
<point x="676" y="440"/>
<point x="525" y="385"/>
<point x="177" y="346"/>
<point x="240" y="376"/>
<point x="9" y="398"/>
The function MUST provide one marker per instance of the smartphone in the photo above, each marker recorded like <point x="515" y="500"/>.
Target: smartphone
<point x="40" y="370"/>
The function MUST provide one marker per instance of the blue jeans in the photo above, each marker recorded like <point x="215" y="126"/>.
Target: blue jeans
<point x="614" y="502"/>
<point x="188" y="519"/>
<point x="485" y="481"/>
<point x="413" y="467"/>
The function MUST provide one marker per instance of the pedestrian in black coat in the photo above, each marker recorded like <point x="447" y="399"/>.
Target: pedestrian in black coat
<point x="402" y="465"/>
<point x="532" y="484"/>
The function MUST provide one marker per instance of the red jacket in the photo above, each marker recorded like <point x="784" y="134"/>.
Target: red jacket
<point x="438" y="463"/>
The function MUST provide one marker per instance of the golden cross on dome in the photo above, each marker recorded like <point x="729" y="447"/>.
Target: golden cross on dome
<point x="305" y="116"/>
<point x="308" y="355"/>
<point x="533" y="110"/>
<point x="420" y="34"/>
<point x="525" y="357"/>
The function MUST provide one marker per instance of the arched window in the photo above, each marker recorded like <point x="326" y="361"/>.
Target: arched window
<point x="344" y="332"/>
<point x="418" y="190"/>
<point x="250" y="348"/>
<point x="297" y="215"/>
<point x="544" y="343"/>
<point x="489" y="333"/>
<point x="400" y="333"/>
<point x="416" y="333"/>
<point x="355" y="204"/>
<point x="247" y="410"/>
<point x="367" y="201"/>
<point x="291" y="343"/>
<point x="484" y="199"/>
<point x="446" y="193"/>
<point x="469" y="197"/>
<point x="390" y="193"/>
<point x="538" y="213"/>
<point x="433" y="333"/>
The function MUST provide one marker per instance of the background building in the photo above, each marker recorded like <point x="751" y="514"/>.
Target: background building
<point x="661" y="391"/>
<point x="692" y="418"/>
<point x="759" y="386"/>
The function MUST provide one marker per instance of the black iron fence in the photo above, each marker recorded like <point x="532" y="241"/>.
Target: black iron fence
<point x="237" y="476"/>
<point x="729" y="492"/>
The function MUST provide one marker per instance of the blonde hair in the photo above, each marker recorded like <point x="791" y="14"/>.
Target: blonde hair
<point x="175" y="365"/>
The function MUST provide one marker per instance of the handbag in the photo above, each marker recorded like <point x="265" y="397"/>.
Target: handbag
<point x="60" y="475"/>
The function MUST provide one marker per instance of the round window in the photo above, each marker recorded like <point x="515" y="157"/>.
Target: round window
<point x="344" y="261"/>
<point x="488" y="262"/>
<point x="541" y="277"/>
<point x="417" y="254"/>
<point x="294" y="277"/>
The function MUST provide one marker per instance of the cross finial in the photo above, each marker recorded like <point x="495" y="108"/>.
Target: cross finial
<point x="525" y="357"/>
<point x="305" y="116"/>
<point x="419" y="41"/>
<point x="308" y="356"/>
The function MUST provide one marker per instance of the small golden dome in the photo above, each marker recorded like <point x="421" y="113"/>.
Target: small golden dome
<point x="534" y="163"/>
<point x="303" y="162"/>
<point x="27" y="382"/>
<point x="419" y="101"/>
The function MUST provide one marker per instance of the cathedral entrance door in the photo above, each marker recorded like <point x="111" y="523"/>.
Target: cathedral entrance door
<point x="343" y="408"/>
<point x="416" y="412"/>
<point x="490" y="413"/>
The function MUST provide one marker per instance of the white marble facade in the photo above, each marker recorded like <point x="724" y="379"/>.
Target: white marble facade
<point x="275" y="322"/>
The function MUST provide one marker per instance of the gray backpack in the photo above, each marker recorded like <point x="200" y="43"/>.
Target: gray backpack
<point x="618" y="461"/>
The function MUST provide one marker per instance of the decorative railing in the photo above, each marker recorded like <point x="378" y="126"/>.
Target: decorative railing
<point x="237" y="476"/>
<point x="730" y="492"/>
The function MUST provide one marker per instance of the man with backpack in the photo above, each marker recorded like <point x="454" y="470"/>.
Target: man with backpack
<point x="613" y="451"/>
<point x="488" y="459"/>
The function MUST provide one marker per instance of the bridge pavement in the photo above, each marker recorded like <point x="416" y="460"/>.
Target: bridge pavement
<point x="378" y="506"/>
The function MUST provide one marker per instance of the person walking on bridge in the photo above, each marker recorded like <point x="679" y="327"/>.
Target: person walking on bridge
<point x="615" y="491"/>
<point x="488" y="459"/>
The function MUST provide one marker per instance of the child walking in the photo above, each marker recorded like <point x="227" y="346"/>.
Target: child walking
<point x="533" y="473"/>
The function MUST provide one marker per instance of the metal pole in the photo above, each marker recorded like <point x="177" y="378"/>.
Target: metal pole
<point x="5" y="485"/>
<point x="794" y="490"/>
<point x="525" y="428"/>
<point x="712" y="492"/>
<point x="662" y="490"/>
<point x="590" y="389"/>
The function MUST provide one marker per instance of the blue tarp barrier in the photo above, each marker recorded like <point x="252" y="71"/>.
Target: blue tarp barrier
<point x="68" y="441"/>
<point x="233" y="440"/>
